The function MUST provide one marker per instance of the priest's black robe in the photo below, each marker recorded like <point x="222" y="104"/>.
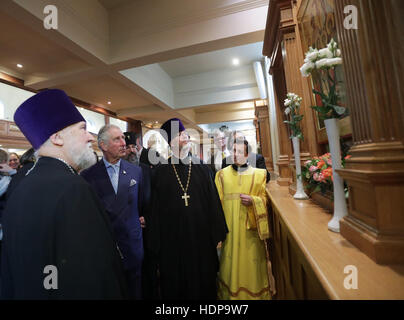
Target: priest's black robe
<point x="185" y="238"/>
<point x="54" y="218"/>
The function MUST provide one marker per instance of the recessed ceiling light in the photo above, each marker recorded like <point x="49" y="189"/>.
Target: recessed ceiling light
<point x="19" y="65"/>
<point x="236" y="61"/>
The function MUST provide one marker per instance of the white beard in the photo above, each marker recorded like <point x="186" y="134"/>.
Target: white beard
<point x="83" y="158"/>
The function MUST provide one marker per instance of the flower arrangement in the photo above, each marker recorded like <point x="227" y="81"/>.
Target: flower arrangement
<point x="324" y="62"/>
<point x="292" y="104"/>
<point x="318" y="173"/>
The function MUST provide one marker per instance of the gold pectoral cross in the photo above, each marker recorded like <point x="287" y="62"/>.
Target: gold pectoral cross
<point x="186" y="197"/>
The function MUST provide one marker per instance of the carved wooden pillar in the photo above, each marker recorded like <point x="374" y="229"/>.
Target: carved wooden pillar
<point x="262" y="115"/>
<point x="285" y="146"/>
<point x="282" y="42"/>
<point x="374" y="67"/>
<point x="293" y="58"/>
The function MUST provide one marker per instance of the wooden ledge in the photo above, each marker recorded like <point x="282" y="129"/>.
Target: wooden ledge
<point x="328" y="253"/>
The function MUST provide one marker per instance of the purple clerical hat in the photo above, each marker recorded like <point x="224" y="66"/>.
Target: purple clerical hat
<point x="172" y="127"/>
<point x="44" y="114"/>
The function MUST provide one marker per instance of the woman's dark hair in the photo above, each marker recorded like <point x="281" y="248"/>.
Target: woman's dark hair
<point x="18" y="157"/>
<point x="27" y="157"/>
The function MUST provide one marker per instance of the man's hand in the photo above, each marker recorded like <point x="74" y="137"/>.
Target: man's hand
<point x="142" y="222"/>
<point x="219" y="245"/>
<point x="246" y="200"/>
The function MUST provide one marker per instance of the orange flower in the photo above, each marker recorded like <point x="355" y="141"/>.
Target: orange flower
<point x="327" y="172"/>
<point x="320" y="164"/>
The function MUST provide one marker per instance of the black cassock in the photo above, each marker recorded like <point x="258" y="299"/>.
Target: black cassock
<point x="54" y="218"/>
<point x="185" y="238"/>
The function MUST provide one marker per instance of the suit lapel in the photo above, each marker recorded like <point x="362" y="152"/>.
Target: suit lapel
<point x="104" y="181"/>
<point x="123" y="185"/>
<point x="124" y="177"/>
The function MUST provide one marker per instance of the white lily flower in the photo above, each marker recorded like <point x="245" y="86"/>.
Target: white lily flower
<point x="307" y="68"/>
<point x="338" y="53"/>
<point x="334" y="61"/>
<point x="287" y="102"/>
<point x="312" y="56"/>
<point x="323" y="63"/>
<point x="332" y="46"/>
<point x="287" y="110"/>
<point x="325" y="53"/>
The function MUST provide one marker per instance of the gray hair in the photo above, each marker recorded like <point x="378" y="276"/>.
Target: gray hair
<point x="103" y="134"/>
<point x="217" y="132"/>
<point x="3" y="156"/>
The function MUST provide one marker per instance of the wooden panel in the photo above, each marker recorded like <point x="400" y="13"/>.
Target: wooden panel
<point x="310" y="259"/>
<point x="293" y="276"/>
<point x="262" y="114"/>
<point x="11" y="136"/>
<point x="14" y="131"/>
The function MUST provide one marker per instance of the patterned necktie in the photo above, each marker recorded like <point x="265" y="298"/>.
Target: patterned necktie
<point x="114" y="178"/>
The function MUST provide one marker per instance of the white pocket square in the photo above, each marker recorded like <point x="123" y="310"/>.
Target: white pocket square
<point x="132" y="182"/>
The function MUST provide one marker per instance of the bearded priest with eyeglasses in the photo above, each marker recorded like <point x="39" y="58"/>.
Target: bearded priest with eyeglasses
<point x="187" y="221"/>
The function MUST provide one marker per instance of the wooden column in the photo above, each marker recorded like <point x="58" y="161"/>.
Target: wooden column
<point x="262" y="115"/>
<point x="374" y="67"/>
<point x="285" y="146"/>
<point x="283" y="45"/>
<point x="293" y="59"/>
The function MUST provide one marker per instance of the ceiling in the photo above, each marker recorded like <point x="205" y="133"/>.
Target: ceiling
<point x="214" y="60"/>
<point x="189" y="60"/>
<point x="112" y="4"/>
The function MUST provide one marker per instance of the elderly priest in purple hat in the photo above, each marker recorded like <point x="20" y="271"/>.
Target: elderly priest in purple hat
<point x="58" y="242"/>
<point x="187" y="221"/>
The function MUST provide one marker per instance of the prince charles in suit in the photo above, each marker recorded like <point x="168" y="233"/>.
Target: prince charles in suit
<point x="118" y="184"/>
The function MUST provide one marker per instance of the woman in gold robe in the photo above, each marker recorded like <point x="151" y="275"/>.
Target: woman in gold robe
<point x="245" y="269"/>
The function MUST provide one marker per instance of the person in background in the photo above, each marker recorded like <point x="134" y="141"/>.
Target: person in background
<point x="152" y="142"/>
<point x="28" y="157"/>
<point x="220" y="152"/>
<point x="255" y="160"/>
<point x="5" y="178"/>
<point x="14" y="161"/>
<point x="137" y="154"/>
<point x="58" y="241"/>
<point x="119" y="184"/>
<point x="27" y="161"/>
<point x="245" y="269"/>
